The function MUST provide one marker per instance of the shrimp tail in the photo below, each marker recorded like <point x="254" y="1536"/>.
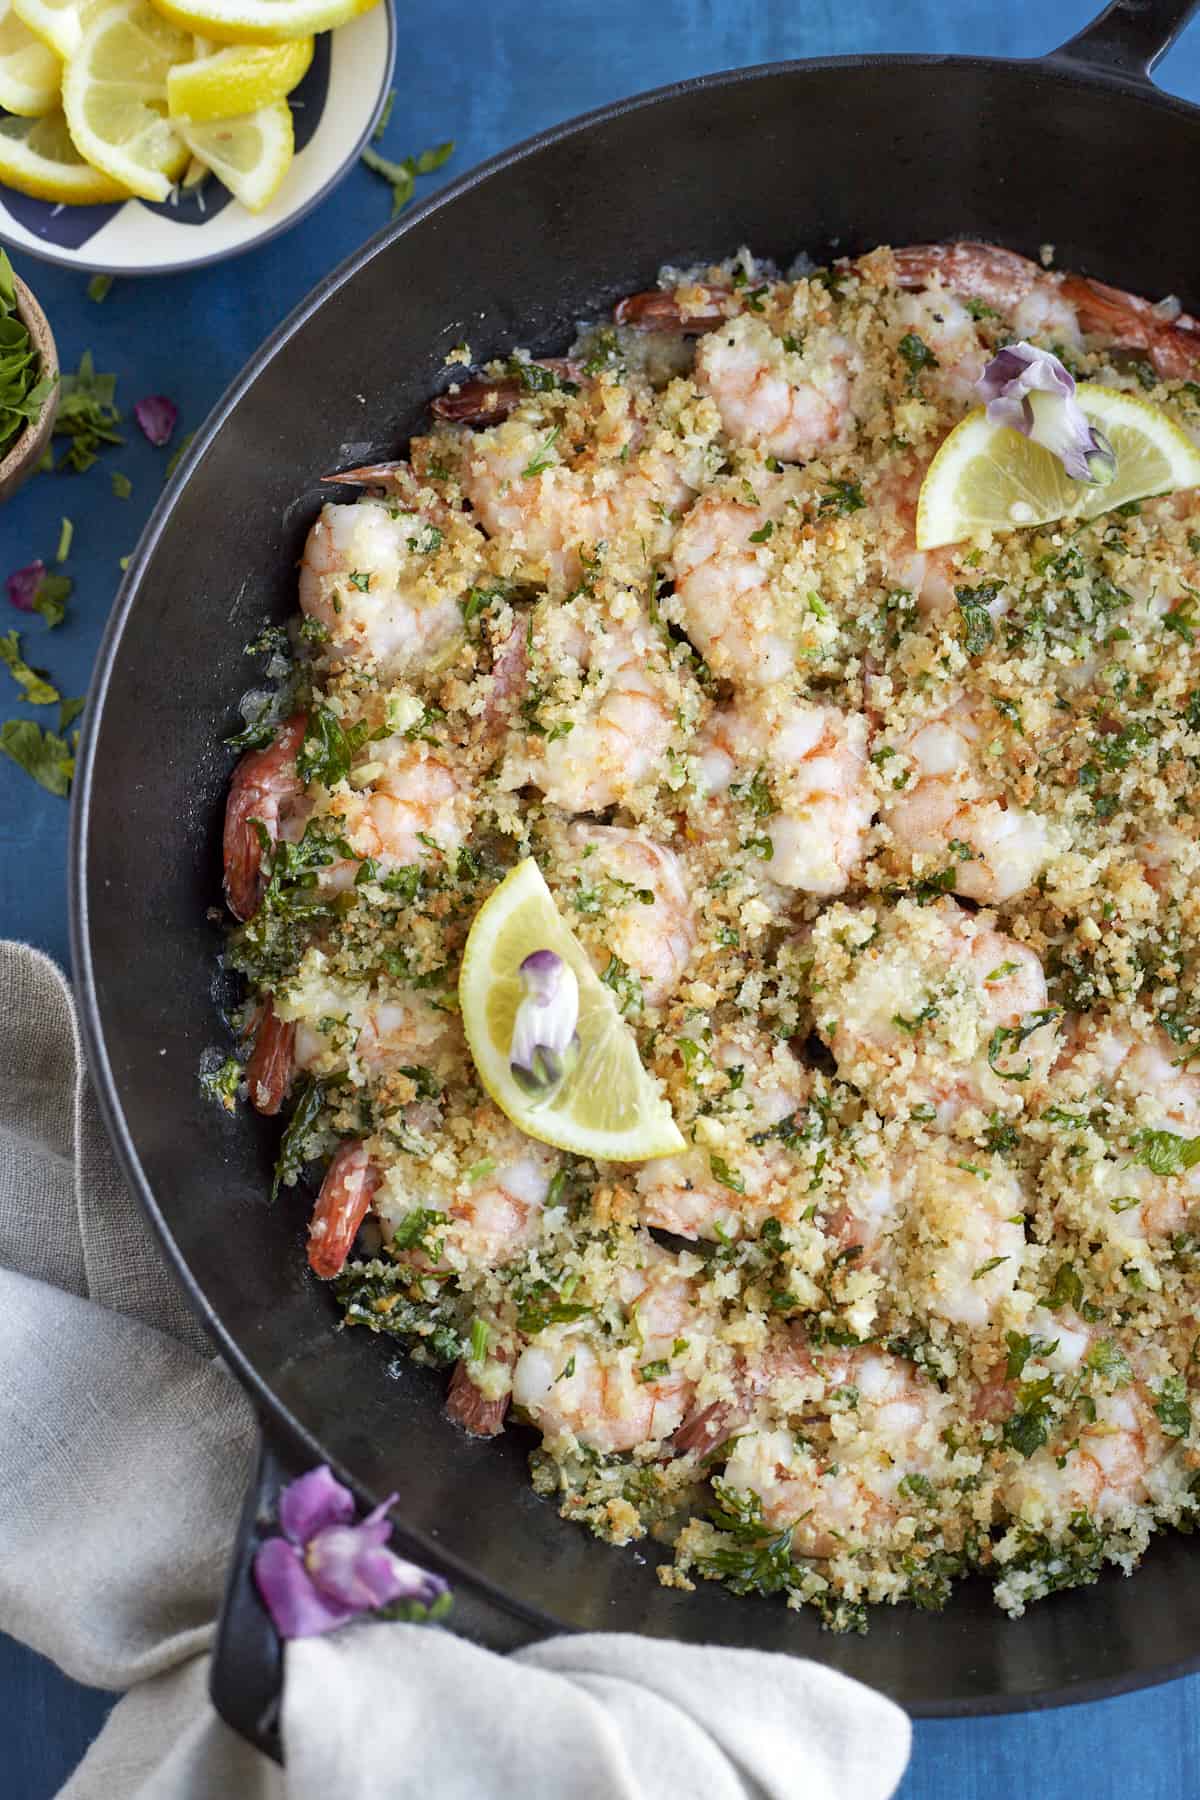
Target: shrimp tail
<point x="660" y="310"/>
<point x="485" y="401"/>
<point x="984" y="272"/>
<point x="707" y="1429"/>
<point x="1173" y="344"/>
<point x="470" y="1409"/>
<point x="262" y="783"/>
<point x="388" y="477"/>
<point x="343" y="1203"/>
<point x="510" y="675"/>
<point x="272" y="1062"/>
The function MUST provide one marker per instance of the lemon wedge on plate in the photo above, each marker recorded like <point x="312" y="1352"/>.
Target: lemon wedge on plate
<point x="38" y="157"/>
<point x="261" y="21"/>
<point x="30" y="72"/>
<point x="250" y="154"/>
<point x="989" y="477"/>
<point x="58" y="23"/>
<point x="235" y="79"/>
<point x="115" y="96"/>
<point x="607" y="1106"/>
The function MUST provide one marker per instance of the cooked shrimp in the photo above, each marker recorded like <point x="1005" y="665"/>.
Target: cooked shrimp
<point x="951" y="807"/>
<point x="342" y="1205"/>
<point x="1102" y="1471"/>
<point x="787" y="403"/>
<point x="844" y="1493"/>
<point x="963" y="1237"/>
<point x="1039" y="301"/>
<point x="478" y="1413"/>
<point x="558" y="489"/>
<point x="351" y="1027"/>
<point x="573" y="1387"/>
<point x="407" y="805"/>
<point x="1157" y="1089"/>
<point x="486" y="399"/>
<point x="929" y="576"/>
<point x="685" y="1193"/>
<point x="639" y="894"/>
<point x="800" y="773"/>
<point x="266" y="790"/>
<point x="613" y="1397"/>
<point x="387" y="584"/>
<point x="613" y="723"/>
<point x="929" y="1008"/>
<point x="948" y="331"/>
<point x="272" y="1061"/>
<point x="499" y="1213"/>
<point x="737" y="594"/>
<point x="692" y="307"/>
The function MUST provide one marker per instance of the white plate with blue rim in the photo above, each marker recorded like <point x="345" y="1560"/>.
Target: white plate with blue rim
<point x="335" y="109"/>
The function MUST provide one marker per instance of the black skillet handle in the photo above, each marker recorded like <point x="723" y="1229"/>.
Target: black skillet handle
<point x="1128" y="37"/>
<point x="246" y="1678"/>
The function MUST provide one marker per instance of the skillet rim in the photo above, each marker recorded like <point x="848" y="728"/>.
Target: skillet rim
<point x="1062" y="63"/>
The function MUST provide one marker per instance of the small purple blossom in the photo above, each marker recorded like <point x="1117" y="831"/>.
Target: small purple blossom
<point x="544" y="1041"/>
<point x="23" y="585"/>
<point x="326" y="1570"/>
<point x="157" y="417"/>
<point x="1030" y="390"/>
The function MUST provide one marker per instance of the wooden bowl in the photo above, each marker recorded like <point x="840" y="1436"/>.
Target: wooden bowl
<point x="25" y="453"/>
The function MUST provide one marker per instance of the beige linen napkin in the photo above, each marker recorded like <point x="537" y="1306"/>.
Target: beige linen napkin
<point x="125" y="1449"/>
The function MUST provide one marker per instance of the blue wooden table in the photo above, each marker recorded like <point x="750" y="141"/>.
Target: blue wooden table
<point x="485" y="75"/>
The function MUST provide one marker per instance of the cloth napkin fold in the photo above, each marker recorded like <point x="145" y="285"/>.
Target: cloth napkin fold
<point x="125" y="1450"/>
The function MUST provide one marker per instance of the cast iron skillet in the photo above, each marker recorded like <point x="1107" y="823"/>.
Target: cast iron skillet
<point x="1078" y="150"/>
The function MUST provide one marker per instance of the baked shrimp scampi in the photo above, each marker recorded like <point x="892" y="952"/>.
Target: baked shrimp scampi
<point x="717" y="912"/>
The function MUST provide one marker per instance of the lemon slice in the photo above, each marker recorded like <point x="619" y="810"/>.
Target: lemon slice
<point x="261" y="21"/>
<point x="58" y="23"/>
<point x="38" y="157"/>
<point x="251" y="155"/>
<point x="990" y="478"/>
<point x="607" y="1107"/>
<point x="236" y="79"/>
<point x="115" y="96"/>
<point x="30" y="73"/>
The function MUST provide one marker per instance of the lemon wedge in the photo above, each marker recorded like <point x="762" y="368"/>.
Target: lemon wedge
<point x="38" y="157"/>
<point x="251" y="154"/>
<point x="235" y="79"/>
<point x="261" y="21"/>
<point x="988" y="477"/>
<point x="607" y="1107"/>
<point x="58" y="23"/>
<point x="115" y="96"/>
<point x="30" y="72"/>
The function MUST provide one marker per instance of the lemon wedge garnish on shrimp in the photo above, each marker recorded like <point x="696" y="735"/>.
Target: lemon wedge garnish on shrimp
<point x="606" y="1106"/>
<point x="261" y="21"/>
<point x="989" y="477"/>
<point x="115" y="96"/>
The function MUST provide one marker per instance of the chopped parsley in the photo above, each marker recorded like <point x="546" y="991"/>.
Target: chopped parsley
<point x="841" y="498"/>
<point x="541" y="458"/>
<point x="917" y="356"/>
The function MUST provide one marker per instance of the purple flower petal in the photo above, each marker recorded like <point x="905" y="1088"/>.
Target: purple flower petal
<point x="350" y="1567"/>
<point x="157" y="417"/>
<point x="543" y="1036"/>
<point x="23" y="584"/>
<point x="296" y="1608"/>
<point x="314" y="1503"/>
<point x="1030" y="391"/>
